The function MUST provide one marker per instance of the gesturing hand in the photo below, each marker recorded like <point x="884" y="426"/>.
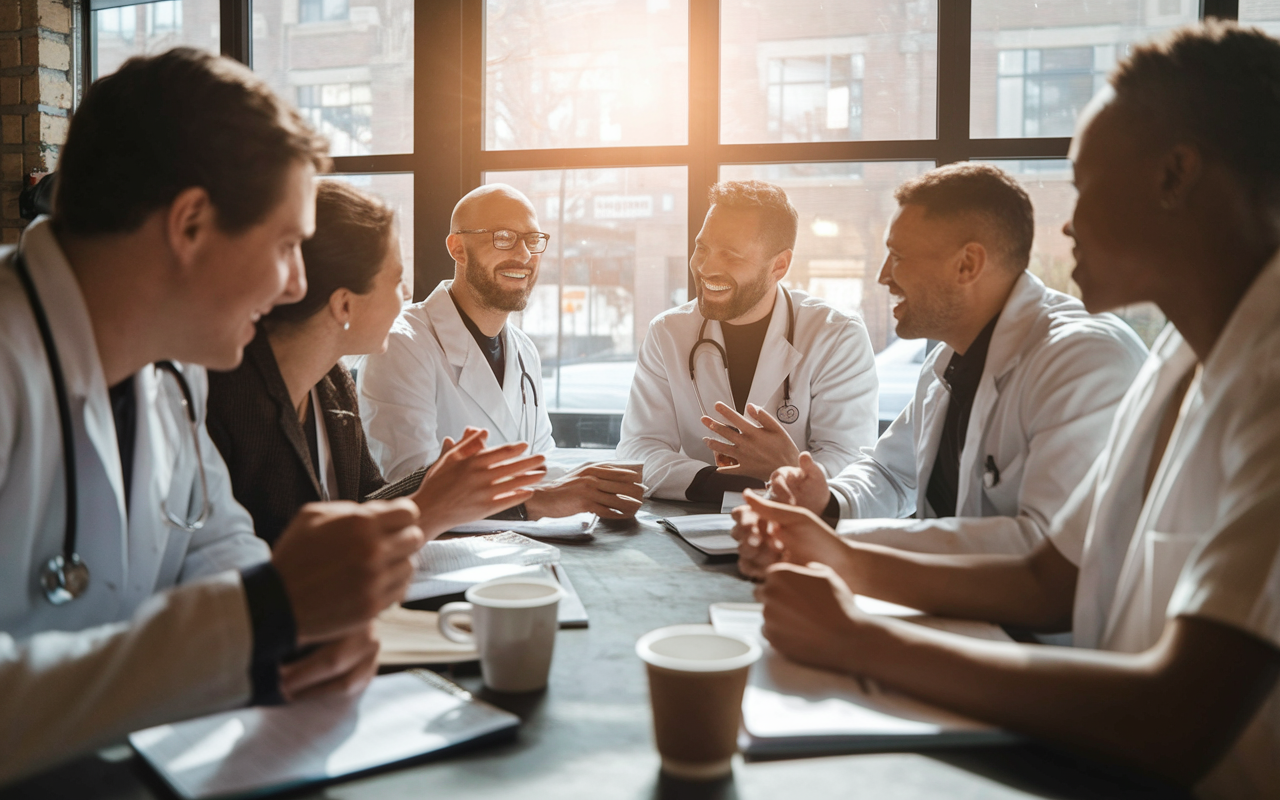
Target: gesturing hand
<point x="343" y="563"/>
<point x="804" y="485"/>
<point x="756" y="447"/>
<point x="469" y="482"/>
<point x="609" y="490"/>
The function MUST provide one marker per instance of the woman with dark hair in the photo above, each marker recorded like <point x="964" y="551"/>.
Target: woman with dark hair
<point x="286" y="420"/>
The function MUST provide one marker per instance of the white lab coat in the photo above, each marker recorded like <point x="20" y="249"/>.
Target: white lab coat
<point x="81" y="674"/>
<point x="1205" y="542"/>
<point x="1053" y="377"/>
<point x="833" y="385"/>
<point x="434" y="381"/>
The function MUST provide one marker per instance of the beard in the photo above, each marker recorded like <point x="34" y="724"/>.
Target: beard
<point x="491" y="294"/>
<point x="740" y="299"/>
<point x="927" y="316"/>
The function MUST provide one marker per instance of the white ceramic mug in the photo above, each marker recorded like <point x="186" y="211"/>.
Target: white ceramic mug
<point x="513" y="624"/>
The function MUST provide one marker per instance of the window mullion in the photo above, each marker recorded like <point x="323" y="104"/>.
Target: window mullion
<point x="236" y="25"/>
<point x="955" y="28"/>
<point x="704" y="109"/>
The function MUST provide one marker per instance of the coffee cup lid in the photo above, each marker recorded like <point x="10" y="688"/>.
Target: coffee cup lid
<point x="703" y="649"/>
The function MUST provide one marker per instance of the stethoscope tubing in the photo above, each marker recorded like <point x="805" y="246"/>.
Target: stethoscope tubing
<point x="724" y="359"/>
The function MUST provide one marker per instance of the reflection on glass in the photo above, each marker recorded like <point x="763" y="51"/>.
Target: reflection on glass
<point x="346" y="64"/>
<point x="809" y="71"/>
<point x="117" y="34"/>
<point x="585" y="74"/>
<point x="1035" y="65"/>
<point x="617" y="258"/>
<point x="1048" y="182"/>
<point x="395" y="189"/>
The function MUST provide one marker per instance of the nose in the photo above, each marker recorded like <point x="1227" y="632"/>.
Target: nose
<point x="295" y="286"/>
<point x="885" y="277"/>
<point x="1068" y="229"/>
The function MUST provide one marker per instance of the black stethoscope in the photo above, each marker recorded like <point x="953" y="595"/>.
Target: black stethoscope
<point x="65" y="576"/>
<point x="787" y="412"/>
<point x="526" y="378"/>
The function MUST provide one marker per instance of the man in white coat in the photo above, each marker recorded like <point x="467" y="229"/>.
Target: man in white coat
<point x="1164" y="561"/>
<point x="1008" y="414"/>
<point x="185" y="188"/>
<point x="452" y="361"/>
<point x="733" y="385"/>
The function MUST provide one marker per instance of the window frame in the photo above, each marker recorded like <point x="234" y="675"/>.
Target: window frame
<point x="449" y="159"/>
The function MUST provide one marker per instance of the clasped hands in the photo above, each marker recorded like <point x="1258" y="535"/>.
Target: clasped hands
<point x="809" y="610"/>
<point x="343" y="563"/>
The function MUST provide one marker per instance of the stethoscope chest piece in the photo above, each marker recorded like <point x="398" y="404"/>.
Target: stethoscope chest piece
<point x="64" y="581"/>
<point x="788" y="413"/>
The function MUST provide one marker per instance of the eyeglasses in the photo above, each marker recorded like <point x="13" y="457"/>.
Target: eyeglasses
<point x="505" y="239"/>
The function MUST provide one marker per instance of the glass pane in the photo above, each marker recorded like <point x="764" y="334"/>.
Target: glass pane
<point x="1264" y="14"/>
<point x="1048" y="182"/>
<point x="618" y="257"/>
<point x="844" y="209"/>
<point x="396" y="189"/>
<point x="585" y="74"/>
<point x="346" y="64"/>
<point x="117" y="34"/>
<point x="812" y="71"/>
<point x="1035" y="65"/>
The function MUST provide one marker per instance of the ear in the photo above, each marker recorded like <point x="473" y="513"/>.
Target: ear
<point x="1180" y="171"/>
<point x="781" y="263"/>
<point x="971" y="263"/>
<point x="189" y="221"/>
<point x="453" y="242"/>
<point x="340" y="306"/>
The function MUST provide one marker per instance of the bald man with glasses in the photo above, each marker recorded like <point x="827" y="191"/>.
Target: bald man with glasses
<point x="452" y="361"/>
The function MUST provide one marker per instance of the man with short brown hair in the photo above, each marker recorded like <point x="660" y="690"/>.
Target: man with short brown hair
<point x="734" y="384"/>
<point x="133" y="591"/>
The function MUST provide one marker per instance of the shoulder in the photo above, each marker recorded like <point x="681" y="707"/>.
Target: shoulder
<point x="1065" y="330"/>
<point x="819" y="320"/>
<point x="676" y="319"/>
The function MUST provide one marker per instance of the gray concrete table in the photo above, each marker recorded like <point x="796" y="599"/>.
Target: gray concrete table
<point x="589" y="734"/>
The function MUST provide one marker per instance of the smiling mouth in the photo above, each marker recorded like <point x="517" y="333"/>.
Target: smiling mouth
<point x="716" y="287"/>
<point x="519" y="276"/>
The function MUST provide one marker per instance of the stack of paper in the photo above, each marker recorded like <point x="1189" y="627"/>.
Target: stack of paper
<point x="413" y="637"/>
<point x="790" y="709"/>
<point x="572" y="528"/>
<point x="707" y="532"/>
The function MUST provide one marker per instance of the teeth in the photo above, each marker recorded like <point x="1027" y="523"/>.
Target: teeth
<point x="715" y="287"/>
<point x="517" y="275"/>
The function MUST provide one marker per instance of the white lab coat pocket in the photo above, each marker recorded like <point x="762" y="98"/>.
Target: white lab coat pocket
<point x="1002" y="485"/>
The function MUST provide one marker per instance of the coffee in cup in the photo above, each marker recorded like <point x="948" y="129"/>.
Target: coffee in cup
<point x="513" y="626"/>
<point x="696" y="680"/>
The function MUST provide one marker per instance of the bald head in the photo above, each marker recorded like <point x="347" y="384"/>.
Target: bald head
<point x="487" y="206"/>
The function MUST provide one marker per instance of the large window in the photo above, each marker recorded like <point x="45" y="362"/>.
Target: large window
<point x="616" y="116"/>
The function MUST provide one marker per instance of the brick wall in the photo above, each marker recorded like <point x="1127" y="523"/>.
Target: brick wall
<point x="35" y="96"/>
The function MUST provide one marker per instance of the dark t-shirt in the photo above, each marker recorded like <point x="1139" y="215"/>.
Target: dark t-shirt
<point x="494" y="350"/>
<point x="962" y="376"/>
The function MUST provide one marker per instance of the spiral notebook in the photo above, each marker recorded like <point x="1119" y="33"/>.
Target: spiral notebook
<point x="253" y="752"/>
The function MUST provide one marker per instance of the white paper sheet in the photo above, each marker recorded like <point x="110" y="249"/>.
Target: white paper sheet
<point x="455" y="565"/>
<point x="575" y="527"/>
<point x="793" y="709"/>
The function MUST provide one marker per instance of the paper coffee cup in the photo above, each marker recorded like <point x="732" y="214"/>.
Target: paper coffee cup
<point x="696" y="681"/>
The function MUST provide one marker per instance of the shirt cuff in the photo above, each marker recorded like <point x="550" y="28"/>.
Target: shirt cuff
<point x="831" y="514"/>
<point x="709" y="485"/>
<point x="275" y="631"/>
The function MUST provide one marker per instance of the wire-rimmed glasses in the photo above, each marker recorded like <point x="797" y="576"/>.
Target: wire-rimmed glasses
<point x="504" y="239"/>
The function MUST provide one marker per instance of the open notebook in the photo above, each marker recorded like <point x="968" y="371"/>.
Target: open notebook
<point x="790" y="709"/>
<point x="258" y="751"/>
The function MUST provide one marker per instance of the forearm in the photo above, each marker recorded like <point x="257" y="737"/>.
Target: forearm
<point x="184" y="653"/>
<point x="1141" y="710"/>
<point x="1008" y="590"/>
